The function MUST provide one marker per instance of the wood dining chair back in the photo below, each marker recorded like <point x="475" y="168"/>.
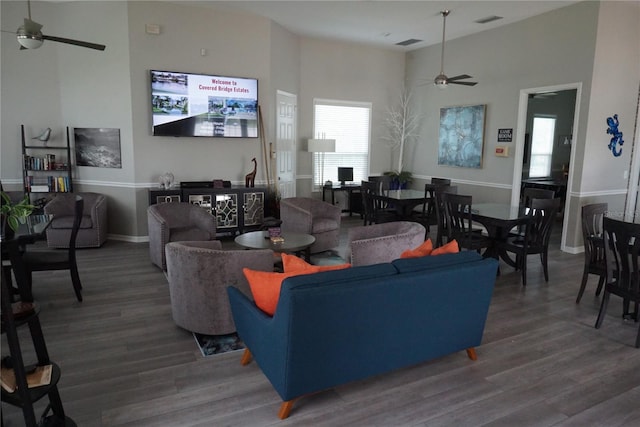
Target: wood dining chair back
<point x="458" y="217"/>
<point x="441" y="181"/>
<point x="383" y="183"/>
<point x="426" y="213"/>
<point x="367" y="190"/>
<point x="58" y="259"/>
<point x="538" y="227"/>
<point x="439" y="191"/>
<point x="530" y="193"/>
<point x="592" y="235"/>
<point x="376" y="208"/>
<point x="621" y="251"/>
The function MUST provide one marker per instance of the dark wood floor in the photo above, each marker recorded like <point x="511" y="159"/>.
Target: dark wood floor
<point x="542" y="363"/>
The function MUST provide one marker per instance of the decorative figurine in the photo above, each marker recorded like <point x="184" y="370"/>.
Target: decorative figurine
<point x="250" y="178"/>
<point x="44" y="136"/>
<point x="616" y="139"/>
<point x="166" y="180"/>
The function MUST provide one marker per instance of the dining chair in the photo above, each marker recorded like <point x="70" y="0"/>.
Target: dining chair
<point x="458" y="217"/>
<point x="439" y="191"/>
<point x="376" y="209"/>
<point x="440" y="181"/>
<point x="528" y="194"/>
<point x="382" y="182"/>
<point x="58" y="259"/>
<point x="425" y="214"/>
<point x="592" y="216"/>
<point x="621" y="252"/>
<point x="538" y="226"/>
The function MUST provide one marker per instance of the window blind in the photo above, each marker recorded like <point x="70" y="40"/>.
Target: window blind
<point x="349" y="124"/>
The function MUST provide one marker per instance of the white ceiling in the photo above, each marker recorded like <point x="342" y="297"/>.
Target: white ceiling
<point x="384" y="23"/>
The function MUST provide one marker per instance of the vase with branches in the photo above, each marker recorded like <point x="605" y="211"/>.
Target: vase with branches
<point x="402" y="125"/>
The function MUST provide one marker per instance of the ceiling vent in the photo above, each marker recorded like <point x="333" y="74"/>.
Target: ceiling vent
<point x="408" y="42"/>
<point x="487" y="19"/>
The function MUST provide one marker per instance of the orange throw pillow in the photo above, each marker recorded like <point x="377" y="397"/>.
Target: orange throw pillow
<point x="450" y="248"/>
<point x="265" y="286"/>
<point x="422" y="250"/>
<point x="291" y="263"/>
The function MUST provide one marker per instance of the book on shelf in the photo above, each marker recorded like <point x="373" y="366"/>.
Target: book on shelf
<point x="39" y="376"/>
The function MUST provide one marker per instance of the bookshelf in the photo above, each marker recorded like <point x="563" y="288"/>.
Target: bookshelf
<point x="45" y="168"/>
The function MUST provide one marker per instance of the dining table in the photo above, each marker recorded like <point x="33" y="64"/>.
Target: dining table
<point x="499" y="219"/>
<point x="403" y="201"/>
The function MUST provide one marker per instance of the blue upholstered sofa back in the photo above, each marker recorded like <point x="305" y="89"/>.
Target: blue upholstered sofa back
<point x="339" y="326"/>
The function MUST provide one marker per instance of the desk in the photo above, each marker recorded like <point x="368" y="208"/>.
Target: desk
<point x="349" y="189"/>
<point x="403" y="200"/>
<point x="498" y="219"/>
<point x="293" y="242"/>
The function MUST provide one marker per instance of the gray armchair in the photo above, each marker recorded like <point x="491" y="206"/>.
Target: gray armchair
<point x="93" y="226"/>
<point x="373" y="244"/>
<point x="173" y="222"/>
<point x="312" y="216"/>
<point x="199" y="273"/>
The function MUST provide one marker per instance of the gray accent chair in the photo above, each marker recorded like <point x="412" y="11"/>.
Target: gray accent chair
<point x="198" y="275"/>
<point x="377" y="243"/>
<point x="312" y="216"/>
<point x="93" y="225"/>
<point x="174" y="222"/>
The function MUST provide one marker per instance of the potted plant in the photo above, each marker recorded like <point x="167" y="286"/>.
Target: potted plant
<point x="399" y="179"/>
<point x="14" y="213"/>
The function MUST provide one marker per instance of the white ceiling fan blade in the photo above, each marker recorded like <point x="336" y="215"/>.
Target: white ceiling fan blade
<point x="75" y="42"/>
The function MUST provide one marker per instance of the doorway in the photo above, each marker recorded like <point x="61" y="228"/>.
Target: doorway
<point x="552" y="162"/>
<point x="286" y="128"/>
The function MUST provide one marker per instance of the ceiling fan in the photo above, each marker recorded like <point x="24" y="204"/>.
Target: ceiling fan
<point x="441" y="80"/>
<point x="30" y="37"/>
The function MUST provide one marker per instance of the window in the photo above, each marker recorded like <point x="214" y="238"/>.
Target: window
<point x="542" y="146"/>
<point x="349" y="124"/>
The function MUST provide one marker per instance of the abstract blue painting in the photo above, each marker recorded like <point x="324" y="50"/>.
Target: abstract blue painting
<point x="461" y="138"/>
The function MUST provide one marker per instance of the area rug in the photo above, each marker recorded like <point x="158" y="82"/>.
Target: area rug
<point x="211" y="345"/>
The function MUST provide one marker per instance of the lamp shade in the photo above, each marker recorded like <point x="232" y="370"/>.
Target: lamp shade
<point x="321" y="145"/>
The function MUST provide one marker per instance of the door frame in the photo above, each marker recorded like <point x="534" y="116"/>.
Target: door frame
<point x="519" y="154"/>
<point x="273" y="155"/>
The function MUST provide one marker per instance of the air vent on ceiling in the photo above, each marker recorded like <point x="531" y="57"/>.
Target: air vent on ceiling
<point x="408" y="42"/>
<point x="487" y="19"/>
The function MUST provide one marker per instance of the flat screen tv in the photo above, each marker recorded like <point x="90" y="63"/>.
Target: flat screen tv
<point x="186" y="104"/>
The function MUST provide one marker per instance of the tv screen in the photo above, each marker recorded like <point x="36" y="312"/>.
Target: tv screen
<point x="345" y="174"/>
<point x="186" y="104"/>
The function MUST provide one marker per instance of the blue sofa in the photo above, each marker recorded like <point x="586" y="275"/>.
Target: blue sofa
<point x="334" y="327"/>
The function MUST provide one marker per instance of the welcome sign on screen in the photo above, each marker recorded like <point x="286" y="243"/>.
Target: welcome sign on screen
<point x="186" y="104"/>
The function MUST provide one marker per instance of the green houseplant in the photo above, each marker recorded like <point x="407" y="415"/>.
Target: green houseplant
<point x="14" y="213"/>
<point x="399" y="179"/>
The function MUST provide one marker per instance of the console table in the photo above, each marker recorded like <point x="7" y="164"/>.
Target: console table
<point x="353" y="196"/>
<point x="237" y="209"/>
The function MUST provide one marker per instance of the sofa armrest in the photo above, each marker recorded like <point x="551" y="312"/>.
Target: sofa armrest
<point x="326" y="210"/>
<point x="99" y="216"/>
<point x="295" y="219"/>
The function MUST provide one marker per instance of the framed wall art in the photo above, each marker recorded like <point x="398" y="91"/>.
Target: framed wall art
<point x="98" y="147"/>
<point x="461" y="138"/>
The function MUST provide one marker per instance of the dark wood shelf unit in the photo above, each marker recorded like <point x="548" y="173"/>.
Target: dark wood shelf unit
<point x="39" y="172"/>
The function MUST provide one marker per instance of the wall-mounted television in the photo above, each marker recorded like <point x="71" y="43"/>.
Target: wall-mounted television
<point x="187" y="104"/>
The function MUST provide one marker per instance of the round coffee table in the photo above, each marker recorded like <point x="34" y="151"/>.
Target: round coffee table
<point x="293" y="242"/>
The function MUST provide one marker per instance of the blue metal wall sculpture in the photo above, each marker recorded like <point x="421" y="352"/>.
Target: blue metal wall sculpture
<point x="616" y="139"/>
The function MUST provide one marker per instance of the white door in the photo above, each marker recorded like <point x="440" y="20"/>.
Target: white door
<point x="286" y="125"/>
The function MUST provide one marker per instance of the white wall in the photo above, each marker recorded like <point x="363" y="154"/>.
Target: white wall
<point x="347" y="72"/>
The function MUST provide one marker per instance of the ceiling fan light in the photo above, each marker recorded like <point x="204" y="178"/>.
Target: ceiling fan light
<point x="29" y="41"/>
<point x="440" y="81"/>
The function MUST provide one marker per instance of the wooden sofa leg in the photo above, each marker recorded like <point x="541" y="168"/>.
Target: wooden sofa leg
<point x="246" y="357"/>
<point x="285" y="409"/>
<point x="471" y="352"/>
